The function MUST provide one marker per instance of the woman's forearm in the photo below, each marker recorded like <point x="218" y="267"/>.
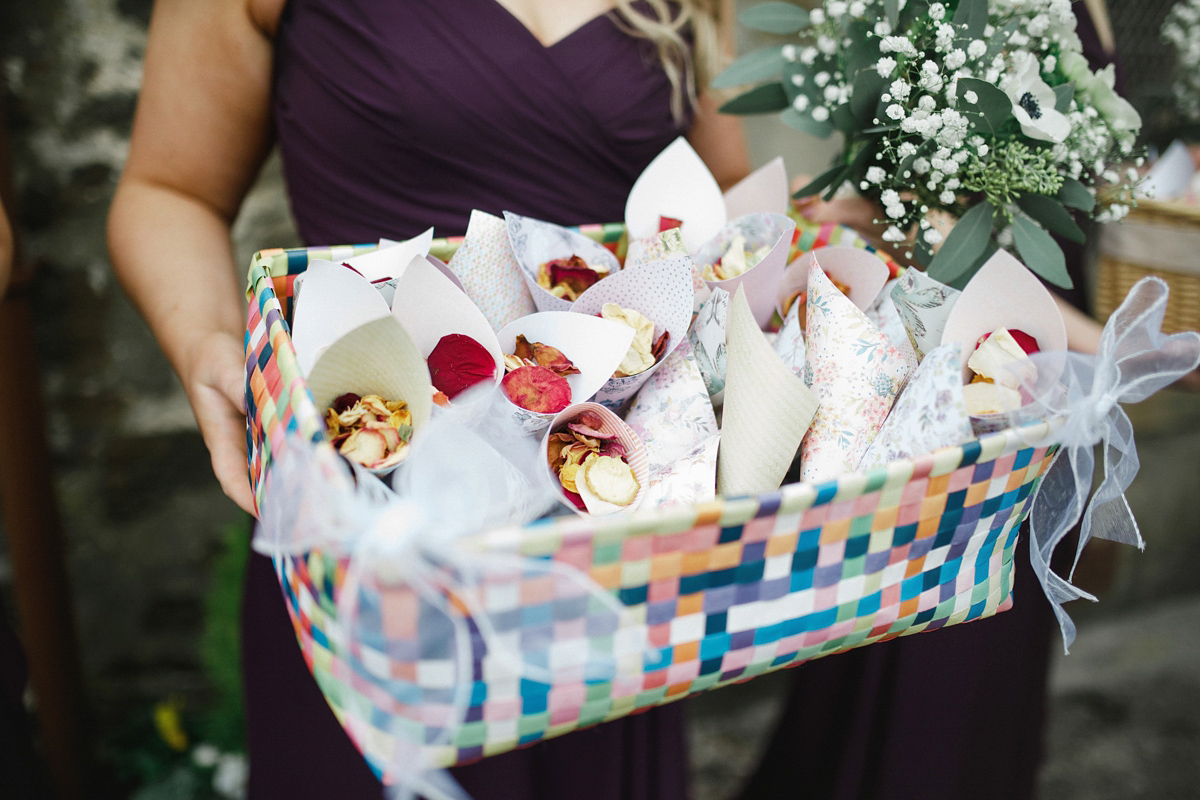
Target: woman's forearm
<point x="173" y="256"/>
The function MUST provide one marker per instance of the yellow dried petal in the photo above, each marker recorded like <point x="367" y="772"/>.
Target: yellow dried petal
<point x="611" y="480"/>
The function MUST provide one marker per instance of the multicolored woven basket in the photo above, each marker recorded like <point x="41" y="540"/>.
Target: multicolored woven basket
<point x="728" y="590"/>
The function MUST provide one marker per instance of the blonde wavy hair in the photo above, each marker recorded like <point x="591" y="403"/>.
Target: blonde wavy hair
<point x="689" y="67"/>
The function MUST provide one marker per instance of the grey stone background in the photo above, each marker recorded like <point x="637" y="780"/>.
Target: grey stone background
<point x="144" y="516"/>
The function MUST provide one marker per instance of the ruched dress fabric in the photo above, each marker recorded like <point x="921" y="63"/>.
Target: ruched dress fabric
<point x="391" y="116"/>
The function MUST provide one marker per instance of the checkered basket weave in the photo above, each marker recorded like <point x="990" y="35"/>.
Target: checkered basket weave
<point x="728" y="590"/>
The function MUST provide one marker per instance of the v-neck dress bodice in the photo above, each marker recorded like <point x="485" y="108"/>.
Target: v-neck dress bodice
<point x="395" y="115"/>
<point x="391" y="116"/>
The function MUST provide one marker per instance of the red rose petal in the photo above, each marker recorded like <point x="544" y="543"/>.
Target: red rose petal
<point x="1027" y="342"/>
<point x="344" y="402"/>
<point x="458" y="362"/>
<point x="667" y="223"/>
<point x="537" y="389"/>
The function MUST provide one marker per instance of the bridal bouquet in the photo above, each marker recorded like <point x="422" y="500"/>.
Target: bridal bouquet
<point x="986" y="111"/>
<point x="1181" y="29"/>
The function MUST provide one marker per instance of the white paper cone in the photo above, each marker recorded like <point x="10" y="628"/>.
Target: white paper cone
<point x="863" y="273"/>
<point x="594" y="345"/>
<point x="392" y="257"/>
<point x="676" y="184"/>
<point x="332" y="302"/>
<point x="923" y="305"/>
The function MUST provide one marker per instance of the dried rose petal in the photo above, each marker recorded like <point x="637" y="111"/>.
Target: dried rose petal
<point x="537" y="389"/>
<point x="1027" y="342"/>
<point x="574" y="272"/>
<point x="575" y="499"/>
<point x="440" y="399"/>
<point x="345" y="401"/>
<point x="366" y="446"/>
<point x="614" y="448"/>
<point x="523" y="350"/>
<point x="553" y="359"/>
<point x="457" y="363"/>
<point x="666" y="223"/>
<point x="660" y="346"/>
<point x="588" y="431"/>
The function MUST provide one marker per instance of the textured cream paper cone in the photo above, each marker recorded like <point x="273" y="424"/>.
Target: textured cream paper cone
<point x="767" y="409"/>
<point x="535" y="242"/>
<point x="635" y="454"/>
<point x="489" y="272"/>
<point x="332" y="302"/>
<point x="676" y="184"/>
<point x="376" y="358"/>
<point x="764" y="190"/>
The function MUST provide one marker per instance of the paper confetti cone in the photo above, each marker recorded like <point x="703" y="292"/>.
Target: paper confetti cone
<point x="489" y="272"/>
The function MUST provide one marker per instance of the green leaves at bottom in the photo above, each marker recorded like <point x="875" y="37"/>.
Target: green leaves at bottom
<point x="965" y="243"/>
<point x="1040" y="252"/>
<point x="804" y="121"/>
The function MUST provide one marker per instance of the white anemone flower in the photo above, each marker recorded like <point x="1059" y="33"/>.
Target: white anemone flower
<point x="1033" y="103"/>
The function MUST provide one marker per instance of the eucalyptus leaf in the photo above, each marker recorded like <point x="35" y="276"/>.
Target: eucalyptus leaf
<point x="864" y="99"/>
<point x="1052" y="216"/>
<point x="755" y="66"/>
<point x="843" y="119"/>
<point x="830" y="177"/>
<point x="924" y="252"/>
<point x="892" y="8"/>
<point x="762" y="100"/>
<point x="1064" y="93"/>
<point x="1074" y="194"/>
<point x="991" y="108"/>
<point x="1040" y="252"/>
<point x="962" y="280"/>
<point x="775" y="18"/>
<point x="803" y="121"/>
<point x="964" y="244"/>
<point x="1000" y="39"/>
<point x="974" y="15"/>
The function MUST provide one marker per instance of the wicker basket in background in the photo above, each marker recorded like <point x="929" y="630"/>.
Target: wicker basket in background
<point x="1157" y="238"/>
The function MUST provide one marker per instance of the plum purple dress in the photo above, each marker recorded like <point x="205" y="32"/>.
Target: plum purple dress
<point x="393" y="115"/>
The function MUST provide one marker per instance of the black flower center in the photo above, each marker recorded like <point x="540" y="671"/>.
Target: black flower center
<point x="1030" y="104"/>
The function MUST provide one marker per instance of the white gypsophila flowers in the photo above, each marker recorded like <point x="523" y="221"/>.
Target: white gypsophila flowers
<point x="876" y="175"/>
<point x="901" y="89"/>
<point x="820" y="113"/>
<point x="885" y="66"/>
<point x="977" y="48"/>
<point x="937" y="12"/>
<point x="893" y="234"/>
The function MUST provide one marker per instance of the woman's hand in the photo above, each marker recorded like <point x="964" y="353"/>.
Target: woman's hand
<point x="214" y="381"/>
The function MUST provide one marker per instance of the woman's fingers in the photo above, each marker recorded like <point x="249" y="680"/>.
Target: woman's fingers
<point x="218" y="401"/>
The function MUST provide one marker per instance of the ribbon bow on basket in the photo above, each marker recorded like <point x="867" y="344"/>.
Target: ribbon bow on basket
<point x="423" y="609"/>
<point x="1081" y="394"/>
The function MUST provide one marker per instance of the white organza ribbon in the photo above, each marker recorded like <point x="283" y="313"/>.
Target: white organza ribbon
<point x="1081" y="394"/>
<point x="461" y="478"/>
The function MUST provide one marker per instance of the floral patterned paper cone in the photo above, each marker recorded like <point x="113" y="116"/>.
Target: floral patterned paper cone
<point x="855" y="372"/>
<point x="767" y="409"/>
<point x="883" y="313"/>
<point x="863" y="273"/>
<point x="789" y="344"/>
<point x="707" y="338"/>
<point x="673" y="416"/>
<point x="763" y="279"/>
<point x="535" y="242"/>
<point x="489" y="272"/>
<point x="930" y="412"/>
<point x="668" y="244"/>
<point x="923" y="305"/>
